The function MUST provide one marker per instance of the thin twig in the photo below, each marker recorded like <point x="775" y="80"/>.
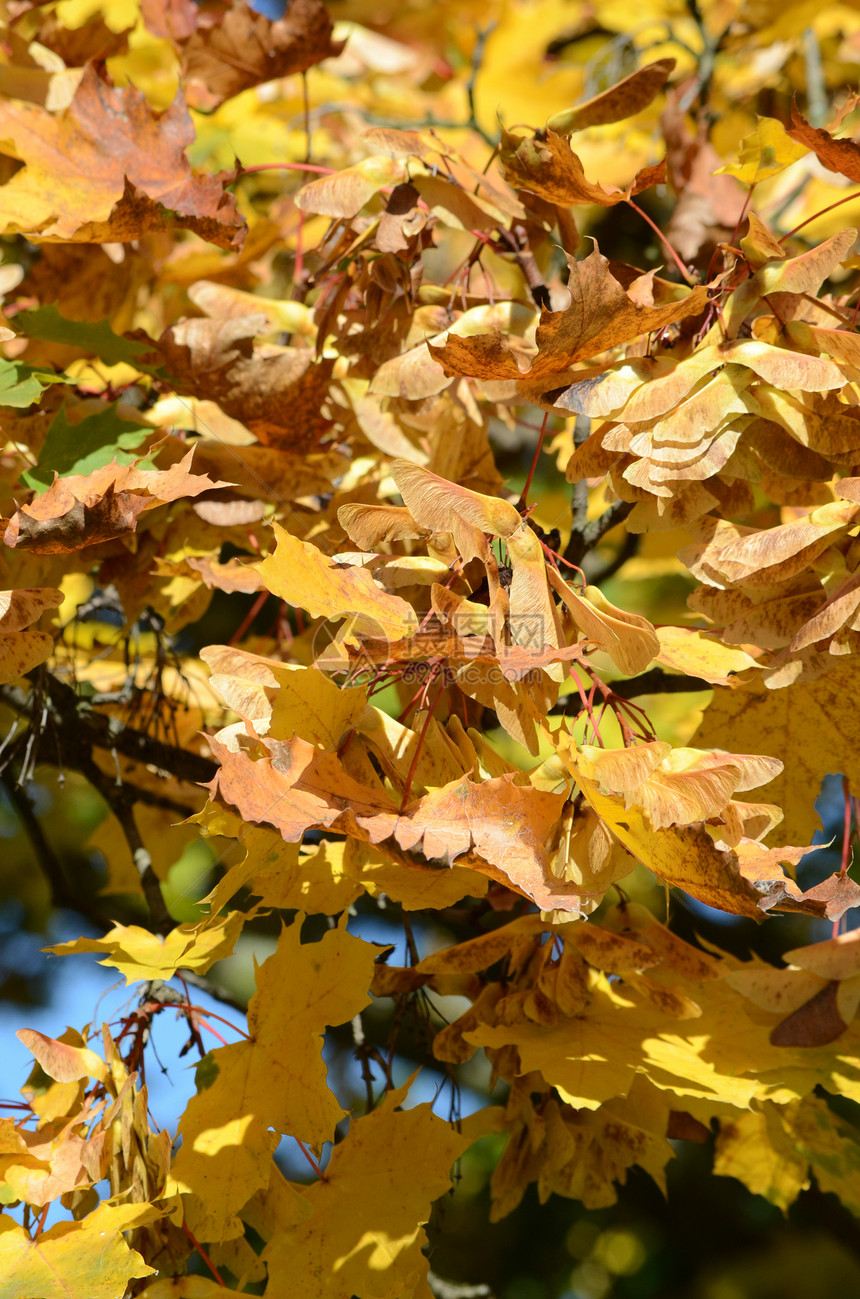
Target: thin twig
<point x="83" y="729"/>
<point x="600" y="573"/>
<point x="119" y="799"/>
<point x="657" y="682"/>
<point x="62" y="894"/>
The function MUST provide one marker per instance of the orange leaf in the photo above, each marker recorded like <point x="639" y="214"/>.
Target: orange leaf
<point x="83" y="510"/>
<point x="108" y="168"/>
<point x="842" y="156"/>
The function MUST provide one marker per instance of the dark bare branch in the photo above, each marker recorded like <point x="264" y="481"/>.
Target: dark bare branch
<point x="585" y="536"/>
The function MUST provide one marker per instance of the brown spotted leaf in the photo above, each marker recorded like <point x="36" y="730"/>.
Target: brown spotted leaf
<point x="275" y="391"/>
<point x="18" y="609"/>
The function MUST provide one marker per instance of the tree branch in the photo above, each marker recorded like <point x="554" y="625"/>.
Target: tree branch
<point x="49" y="863"/>
<point x="653" y="682"/>
<point x="443" y="1289"/>
<point x="120" y="800"/>
<point x="84" y="729"/>
<point x="586" y="535"/>
<point x="214" y="990"/>
<point x="657" y="682"/>
<point x="518" y="241"/>
<point x="599" y="573"/>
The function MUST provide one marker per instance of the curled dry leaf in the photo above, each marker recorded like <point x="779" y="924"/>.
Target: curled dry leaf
<point x="675" y="786"/>
<point x="84" y="510"/>
<point x="547" y="166"/>
<point x="629" y="639"/>
<point x="841" y="156"/>
<point x="682" y="855"/>
<point x="624" y="99"/>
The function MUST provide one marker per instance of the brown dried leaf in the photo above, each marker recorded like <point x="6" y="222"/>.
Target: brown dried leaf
<point x="602" y="315"/>
<point x="548" y="167"/>
<point x="625" y="99"/>
<point x="830" y="899"/>
<point x="245" y="48"/>
<point x="276" y="392"/>
<point x="171" y="19"/>
<point x="816" y="1023"/>
<point x="497" y="827"/>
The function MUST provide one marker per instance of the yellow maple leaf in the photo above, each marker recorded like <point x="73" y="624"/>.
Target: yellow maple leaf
<point x="767" y="151"/>
<point x="274" y="1079"/>
<point x="813" y="726"/>
<point x="87" y="1257"/>
<point x="139" y="954"/>
<point x="305" y="577"/>
<point x="755" y="1148"/>
<point x="364" y="1233"/>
